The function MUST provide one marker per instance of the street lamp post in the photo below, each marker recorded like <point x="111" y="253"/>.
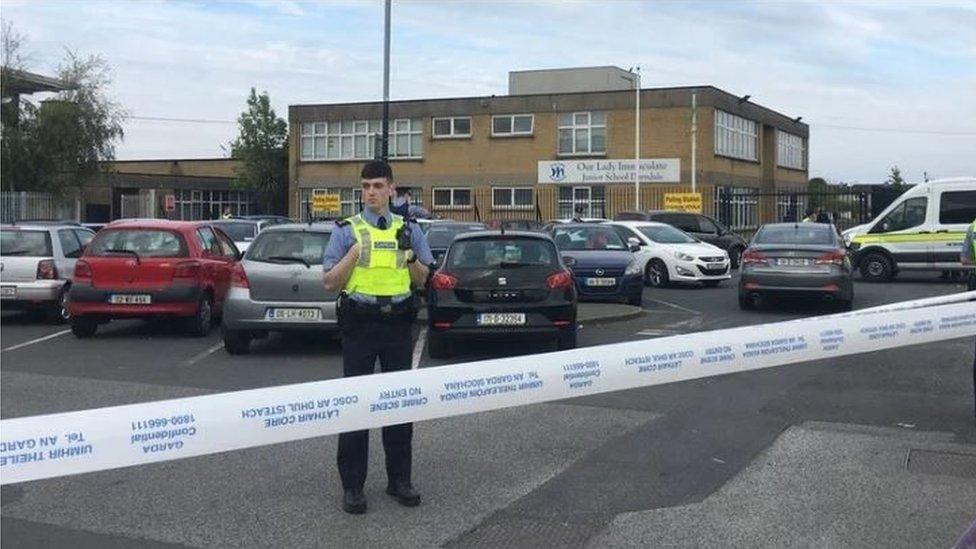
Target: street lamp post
<point x="635" y="79"/>
<point x="386" y="83"/>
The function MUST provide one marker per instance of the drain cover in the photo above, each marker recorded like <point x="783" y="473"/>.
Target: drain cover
<point x="955" y="464"/>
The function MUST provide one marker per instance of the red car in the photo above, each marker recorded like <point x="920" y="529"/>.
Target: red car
<point x="152" y="268"/>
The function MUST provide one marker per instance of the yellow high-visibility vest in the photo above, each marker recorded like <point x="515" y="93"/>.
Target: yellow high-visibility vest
<point x="382" y="267"/>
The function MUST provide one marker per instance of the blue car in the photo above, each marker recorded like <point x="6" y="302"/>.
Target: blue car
<point x="603" y="265"/>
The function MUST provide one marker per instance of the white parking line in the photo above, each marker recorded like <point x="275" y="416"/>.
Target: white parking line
<point x="38" y="340"/>
<point x="205" y="354"/>
<point x="679" y="307"/>
<point x="418" y="349"/>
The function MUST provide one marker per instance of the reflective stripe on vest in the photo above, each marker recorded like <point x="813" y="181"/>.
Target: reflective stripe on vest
<point x="382" y="266"/>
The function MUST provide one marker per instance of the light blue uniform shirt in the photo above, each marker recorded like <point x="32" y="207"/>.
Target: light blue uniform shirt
<point x="343" y="238"/>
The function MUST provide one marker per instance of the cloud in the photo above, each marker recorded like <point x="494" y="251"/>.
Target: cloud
<point x="872" y="65"/>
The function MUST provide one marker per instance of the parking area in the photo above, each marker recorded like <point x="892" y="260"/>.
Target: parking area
<point x="616" y="462"/>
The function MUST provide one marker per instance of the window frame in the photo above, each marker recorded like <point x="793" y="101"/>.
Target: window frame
<point x="574" y="127"/>
<point x="791" y="151"/>
<point x="511" y="205"/>
<point x="513" y="132"/>
<point x="943" y="211"/>
<point x="345" y="134"/>
<point x="453" y="121"/>
<point x="731" y="135"/>
<point x="454" y="205"/>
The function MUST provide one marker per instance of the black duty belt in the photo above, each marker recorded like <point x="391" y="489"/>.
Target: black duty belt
<point x="383" y="308"/>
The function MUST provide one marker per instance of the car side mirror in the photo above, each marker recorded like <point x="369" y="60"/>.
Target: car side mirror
<point x="634" y="244"/>
<point x="569" y="260"/>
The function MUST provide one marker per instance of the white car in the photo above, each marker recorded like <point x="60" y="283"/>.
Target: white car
<point x="672" y="255"/>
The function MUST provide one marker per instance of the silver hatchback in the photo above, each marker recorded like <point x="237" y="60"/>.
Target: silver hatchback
<point x="277" y="286"/>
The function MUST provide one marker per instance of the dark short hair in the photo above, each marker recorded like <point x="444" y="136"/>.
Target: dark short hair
<point x="375" y="169"/>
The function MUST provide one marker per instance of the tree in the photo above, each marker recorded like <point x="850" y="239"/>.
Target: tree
<point x="64" y="142"/>
<point x="262" y="148"/>
<point x="894" y="178"/>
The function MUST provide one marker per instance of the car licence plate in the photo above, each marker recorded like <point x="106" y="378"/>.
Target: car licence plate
<point x="8" y="291"/>
<point x="304" y="314"/>
<point x="793" y="262"/>
<point x="713" y="266"/>
<point x="130" y="299"/>
<point x="601" y="281"/>
<point x="501" y="319"/>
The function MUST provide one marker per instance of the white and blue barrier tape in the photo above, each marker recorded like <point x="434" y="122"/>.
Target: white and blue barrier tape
<point x="69" y="443"/>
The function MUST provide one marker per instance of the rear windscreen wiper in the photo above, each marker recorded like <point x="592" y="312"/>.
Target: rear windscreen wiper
<point x="120" y="251"/>
<point x="511" y="264"/>
<point x="291" y="259"/>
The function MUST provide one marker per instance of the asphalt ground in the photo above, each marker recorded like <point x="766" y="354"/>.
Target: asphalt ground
<point x="643" y="467"/>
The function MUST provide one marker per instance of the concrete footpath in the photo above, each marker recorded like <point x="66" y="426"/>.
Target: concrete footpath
<point x="825" y="485"/>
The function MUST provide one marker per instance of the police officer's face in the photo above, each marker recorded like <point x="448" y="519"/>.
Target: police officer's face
<point x="377" y="193"/>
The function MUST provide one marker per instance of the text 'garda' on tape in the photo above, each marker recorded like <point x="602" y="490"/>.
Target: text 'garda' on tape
<point x="69" y="443"/>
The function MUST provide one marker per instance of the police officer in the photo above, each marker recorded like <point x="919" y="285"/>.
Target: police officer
<point x="373" y="258"/>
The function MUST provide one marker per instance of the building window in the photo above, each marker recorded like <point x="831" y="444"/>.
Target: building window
<point x="790" y="150"/>
<point x="195" y="205"/>
<point x="512" y="198"/>
<point x="451" y="198"/>
<point x="452" y="127"/>
<point x="735" y="136"/>
<point x="737" y="207"/>
<point x="582" y="133"/>
<point x="582" y="201"/>
<point x="512" y="124"/>
<point x="359" y="139"/>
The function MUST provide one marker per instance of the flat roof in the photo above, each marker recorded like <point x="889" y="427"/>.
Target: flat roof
<point x="20" y="82"/>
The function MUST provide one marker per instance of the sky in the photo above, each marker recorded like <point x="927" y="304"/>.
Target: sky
<point x="882" y="83"/>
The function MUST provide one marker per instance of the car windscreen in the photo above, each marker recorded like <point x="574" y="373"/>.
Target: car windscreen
<point x="666" y="234"/>
<point x="440" y="236"/>
<point x="804" y="234"/>
<point x="239" y="232"/>
<point x="25" y="243"/>
<point x="483" y="253"/>
<point x="595" y="237"/>
<point x="278" y="246"/>
<point x="144" y="242"/>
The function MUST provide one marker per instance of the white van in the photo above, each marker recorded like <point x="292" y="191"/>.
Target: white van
<point x="922" y="229"/>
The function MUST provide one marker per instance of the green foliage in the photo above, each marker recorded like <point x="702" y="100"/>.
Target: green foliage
<point x="894" y="178"/>
<point x="262" y="148"/>
<point x="61" y="143"/>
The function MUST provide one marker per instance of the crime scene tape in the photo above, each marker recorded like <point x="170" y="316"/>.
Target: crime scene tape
<point x="53" y="445"/>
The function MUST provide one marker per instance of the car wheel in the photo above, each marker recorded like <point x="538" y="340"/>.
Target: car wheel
<point x="438" y="346"/>
<point x="237" y="342"/>
<point x="83" y="327"/>
<point x="735" y="254"/>
<point x="566" y="339"/>
<point x="747" y="302"/>
<point x="657" y="273"/>
<point x="199" y="324"/>
<point x="711" y="283"/>
<point x="877" y="267"/>
<point x="58" y="313"/>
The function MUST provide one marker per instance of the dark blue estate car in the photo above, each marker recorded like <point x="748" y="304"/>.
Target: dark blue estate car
<point x="603" y="265"/>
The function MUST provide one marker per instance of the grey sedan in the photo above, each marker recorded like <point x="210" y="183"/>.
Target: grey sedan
<point x="277" y="286"/>
<point x="796" y="258"/>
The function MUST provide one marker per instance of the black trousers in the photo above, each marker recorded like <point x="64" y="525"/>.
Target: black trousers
<point x="972" y="286"/>
<point x="363" y="340"/>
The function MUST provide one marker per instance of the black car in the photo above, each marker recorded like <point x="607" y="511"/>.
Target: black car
<point x="440" y="235"/>
<point x="808" y="259"/>
<point x="494" y="285"/>
<point x="700" y="226"/>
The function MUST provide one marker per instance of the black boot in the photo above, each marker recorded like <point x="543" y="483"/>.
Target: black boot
<point x="354" y="501"/>
<point x="403" y="492"/>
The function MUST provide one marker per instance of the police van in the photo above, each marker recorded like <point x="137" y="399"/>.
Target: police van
<point x="922" y="229"/>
